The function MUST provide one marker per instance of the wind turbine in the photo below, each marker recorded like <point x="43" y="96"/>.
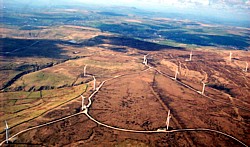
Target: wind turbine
<point x="83" y="105"/>
<point x="7" y="132"/>
<point x="246" y="67"/>
<point x="190" y="56"/>
<point x="145" y="61"/>
<point x="84" y="72"/>
<point x="203" y="88"/>
<point x="176" y="73"/>
<point x="230" y="56"/>
<point x="168" y="119"/>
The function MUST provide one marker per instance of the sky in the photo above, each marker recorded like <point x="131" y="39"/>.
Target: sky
<point x="233" y="9"/>
<point x="162" y="5"/>
<point x="175" y="3"/>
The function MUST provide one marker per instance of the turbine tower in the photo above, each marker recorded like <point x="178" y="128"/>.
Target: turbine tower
<point x="168" y="119"/>
<point x="84" y="72"/>
<point x="246" y="67"/>
<point x="7" y="132"/>
<point x="203" y="88"/>
<point x="190" y="56"/>
<point x="145" y="60"/>
<point x="230" y="56"/>
<point x="83" y="105"/>
<point x="176" y="73"/>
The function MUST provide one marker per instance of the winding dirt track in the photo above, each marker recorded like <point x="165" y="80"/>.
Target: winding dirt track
<point x="135" y="131"/>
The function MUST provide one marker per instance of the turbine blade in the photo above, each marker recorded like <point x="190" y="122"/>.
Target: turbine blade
<point x="7" y="127"/>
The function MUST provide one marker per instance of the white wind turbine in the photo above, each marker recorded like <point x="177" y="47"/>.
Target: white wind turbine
<point x="246" y="67"/>
<point x="83" y="105"/>
<point x="190" y="56"/>
<point x="84" y="72"/>
<point x="145" y="60"/>
<point x="176" y="73"/>
<point x="203" y="88"/>
<point x="168" y="119"/>
<point x="7" y="132"/>
<point x="230" y="56"/>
